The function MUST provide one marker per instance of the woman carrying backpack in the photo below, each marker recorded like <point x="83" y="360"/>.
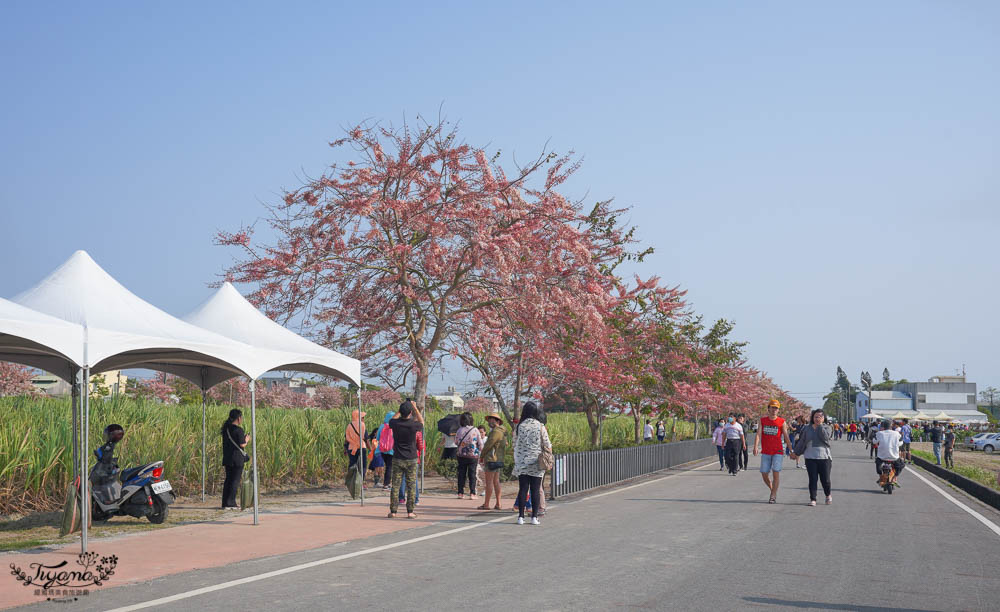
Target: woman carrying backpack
<point x="383" y="437"/>
<point x="470" y="443"/>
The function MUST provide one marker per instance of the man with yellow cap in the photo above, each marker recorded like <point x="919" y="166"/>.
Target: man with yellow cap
<point x="773" y="430"/>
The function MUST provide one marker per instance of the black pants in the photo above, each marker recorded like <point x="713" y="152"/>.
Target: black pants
<point x="733" y="450"/>
<point x="524" y="482"/>
<point x="744" y="457"/>
<point x="364" y="461"/>
<point x="949" y="460"/>
<point x="234" y="474"/>
<point x="388" y="470"/>
<point x="467" y="470"/>
<point x="899" y="464"/>
<point x="819" y="469"/>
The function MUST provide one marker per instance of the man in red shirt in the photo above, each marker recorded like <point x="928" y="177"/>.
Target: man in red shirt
<point x="773" y="430"/>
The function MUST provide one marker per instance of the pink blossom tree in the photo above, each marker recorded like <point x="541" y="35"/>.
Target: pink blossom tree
<point x="389" y="253"/>
<point x="15" y="379"/>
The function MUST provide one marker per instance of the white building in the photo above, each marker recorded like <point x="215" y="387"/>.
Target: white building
<point x="450" y="401"/>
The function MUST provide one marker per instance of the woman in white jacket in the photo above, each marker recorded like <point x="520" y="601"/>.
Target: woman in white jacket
<point x="530" y="437"/>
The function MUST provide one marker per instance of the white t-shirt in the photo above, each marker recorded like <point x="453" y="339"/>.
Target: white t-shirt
<point x="648" y="431"/>
<point x="733" y="431"/>
<point x="888" y="444"/>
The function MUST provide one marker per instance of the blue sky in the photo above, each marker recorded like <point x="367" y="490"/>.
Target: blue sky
<point x="826" y="175"/>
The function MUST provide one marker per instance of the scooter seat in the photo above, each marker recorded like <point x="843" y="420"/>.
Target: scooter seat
<point x="129" y="473"/>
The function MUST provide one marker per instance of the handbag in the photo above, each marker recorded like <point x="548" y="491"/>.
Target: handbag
<point x="246" y="493"/>
<point x="545" y="458"/>
<point x="246" y="457"/>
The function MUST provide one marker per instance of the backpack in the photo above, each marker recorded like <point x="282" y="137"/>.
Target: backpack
<point x="385" y="441"/>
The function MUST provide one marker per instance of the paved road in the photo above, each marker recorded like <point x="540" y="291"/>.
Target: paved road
<point x="694" y="540"/>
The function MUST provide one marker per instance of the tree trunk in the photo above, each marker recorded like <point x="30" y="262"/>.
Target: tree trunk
<point x="592" y="410"/>
<point x="637" y="417"/>
<point x="517" y="387"/>
<point x="673" y="428"/>
<point x="420" y="386"/>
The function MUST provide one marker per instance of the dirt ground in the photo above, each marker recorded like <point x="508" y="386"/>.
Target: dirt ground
<point x="967" y="457"/>
<point x="42" y="529"/>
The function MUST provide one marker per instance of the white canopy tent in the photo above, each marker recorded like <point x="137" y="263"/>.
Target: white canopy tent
<point x="41" y="341"/>
<point x="119" y="330"/>
<point x="79" y="320"/>
<point x="229" y="314"/>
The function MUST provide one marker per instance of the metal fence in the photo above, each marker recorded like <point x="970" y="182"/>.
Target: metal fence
<point x="577" y="472"/>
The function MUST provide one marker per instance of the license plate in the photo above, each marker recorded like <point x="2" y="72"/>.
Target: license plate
<point x="161" y="487"/>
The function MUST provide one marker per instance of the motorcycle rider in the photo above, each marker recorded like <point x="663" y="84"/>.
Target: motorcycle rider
<point x="888" y="440"/>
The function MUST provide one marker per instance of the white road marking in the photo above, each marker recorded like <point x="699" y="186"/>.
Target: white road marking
<point x="295" y="568"/>
<point x="979" y="517"/>
<point x="301" y="566"/>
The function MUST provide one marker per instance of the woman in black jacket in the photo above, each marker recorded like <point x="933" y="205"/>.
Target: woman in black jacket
<point x="234" y="440"/>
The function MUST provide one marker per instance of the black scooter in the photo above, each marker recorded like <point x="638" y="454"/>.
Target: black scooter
<point x="138" y="492"/>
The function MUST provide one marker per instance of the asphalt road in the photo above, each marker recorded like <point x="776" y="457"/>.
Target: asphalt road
<point x="697" y="539"/>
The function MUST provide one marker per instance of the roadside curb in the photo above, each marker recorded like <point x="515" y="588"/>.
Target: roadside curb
<point x="983" y="493"/>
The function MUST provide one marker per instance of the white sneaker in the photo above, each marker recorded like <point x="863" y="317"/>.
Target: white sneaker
<point x="812" y="503"/>
<point x="535" y="521"/>
<point x="520" y="520"/>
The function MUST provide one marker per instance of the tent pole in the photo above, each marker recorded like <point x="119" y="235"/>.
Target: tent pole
<point x="75" y="393"/>
<point x="204" y="460"/>
<point x="253" y="442"/>
<point x="84" y="484"/>
<point x="360" y="465"/>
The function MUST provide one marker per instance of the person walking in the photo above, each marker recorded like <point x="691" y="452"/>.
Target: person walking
<point x="797" y="424"/>
<point x="405" y="425"/>
<point x="773" y="430"/>
<point x="661" y="431"/>
<point x="530" y="438"/>
<point x="814" y="445"/>
<point x="234" y="440"/>
<point x="492" y="458"/>
<point x="745" y="453"/>
<point x="872" y="440"/>
<point x="719" y="437"/>
<point x="907" y="434"/>
<point x="469" y="447"/>
<point x="647" y="432"/>
<point x="383" y="437"/>
<point x="949" y="447"/>
<point x="734" y="444"/>
<point x="937" y="436"/>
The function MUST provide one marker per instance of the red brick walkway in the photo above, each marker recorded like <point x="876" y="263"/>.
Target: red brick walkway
<point x="196" y="546"/>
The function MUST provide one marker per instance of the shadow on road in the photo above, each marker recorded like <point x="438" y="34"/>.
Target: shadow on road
<point x="817" y="605"/>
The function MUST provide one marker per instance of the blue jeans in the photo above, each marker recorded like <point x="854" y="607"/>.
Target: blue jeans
<point x="937" y="452"/>
<point x="722" y="455"/>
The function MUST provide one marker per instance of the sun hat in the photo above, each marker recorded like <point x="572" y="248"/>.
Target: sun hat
<point x="495" y="415"/>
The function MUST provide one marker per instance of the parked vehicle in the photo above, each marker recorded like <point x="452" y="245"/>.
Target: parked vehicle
<point x="138" y="491"/>
<point x="970" y="443"/>
<point x="988" y="443"/>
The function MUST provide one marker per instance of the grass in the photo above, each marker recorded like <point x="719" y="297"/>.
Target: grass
<point x="295" y="448"/>
<point x="975" y="473"/>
